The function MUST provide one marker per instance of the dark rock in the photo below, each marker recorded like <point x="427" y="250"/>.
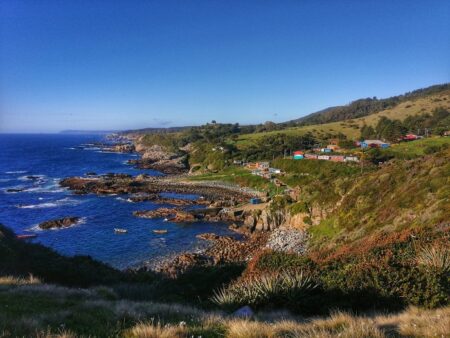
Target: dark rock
<point x="15" y="190"/>
<point x="59" y="223"/>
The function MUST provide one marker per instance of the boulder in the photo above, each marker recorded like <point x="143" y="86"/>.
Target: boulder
<point x="244" y="312"/>
<point x="59" y="223"/>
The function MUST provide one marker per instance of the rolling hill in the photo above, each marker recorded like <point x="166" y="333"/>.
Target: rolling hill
<point x="415" y="105"/>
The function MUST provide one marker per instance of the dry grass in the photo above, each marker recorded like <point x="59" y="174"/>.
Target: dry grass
<point x="146" y="330"/>
<point x="10" y="280"/>
<point x="172" y="320"/>
<point x="412" y="323"/>
<point x="435" y="257"/>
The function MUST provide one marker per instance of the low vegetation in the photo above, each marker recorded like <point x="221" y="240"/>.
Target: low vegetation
<point x="278" y="289"/>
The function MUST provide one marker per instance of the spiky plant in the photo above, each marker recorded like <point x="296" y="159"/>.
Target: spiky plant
<point x="264" y="288"/>
<point x="436" y="257"/>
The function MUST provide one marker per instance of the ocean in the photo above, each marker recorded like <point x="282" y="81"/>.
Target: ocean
<point x="51" y="157"/>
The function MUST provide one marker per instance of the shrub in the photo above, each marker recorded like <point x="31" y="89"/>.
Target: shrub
<point x="275" y="288"/>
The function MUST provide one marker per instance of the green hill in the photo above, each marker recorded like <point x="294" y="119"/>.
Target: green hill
<point x="351" y="128"/>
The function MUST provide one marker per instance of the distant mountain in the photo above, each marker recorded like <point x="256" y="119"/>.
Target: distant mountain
<point x="70" y="131"/>
<point x="155" y="130"/>
<point x="364" y="107"/>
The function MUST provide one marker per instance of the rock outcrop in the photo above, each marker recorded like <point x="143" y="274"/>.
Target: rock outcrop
<point x="59" y="223"/>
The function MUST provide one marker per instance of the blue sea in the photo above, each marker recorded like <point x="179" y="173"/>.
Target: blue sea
<point x="53" y="157"/>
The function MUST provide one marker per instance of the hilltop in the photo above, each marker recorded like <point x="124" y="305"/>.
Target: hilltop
<point x="367" y="106"/>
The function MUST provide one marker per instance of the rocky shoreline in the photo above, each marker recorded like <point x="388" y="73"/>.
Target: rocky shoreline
<point x="216" y="203"/>
<point x="221" y="250"/>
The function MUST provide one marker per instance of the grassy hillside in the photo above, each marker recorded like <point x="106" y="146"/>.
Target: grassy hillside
<point x="351" y="128"/>
<point x="368" y="106"/>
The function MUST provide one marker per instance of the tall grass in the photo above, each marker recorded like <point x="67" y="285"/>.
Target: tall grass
<point x="435" y="257"/>
<point x="263" y="289"/>
<point x="11" y="280"/>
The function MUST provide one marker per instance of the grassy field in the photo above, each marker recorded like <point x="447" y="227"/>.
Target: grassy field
<point x="40" y="310"/>
<point x="351" y="128"/>
<point x="418" y="148"/>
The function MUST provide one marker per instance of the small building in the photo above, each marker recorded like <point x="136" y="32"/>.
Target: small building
<point x="274" y="171"/>
<point x="351" y="159"/>
<point x="252" y="166"/>
<point x="447" y="133"/>
<point x="255" y="200"/>
<point x="298" y="155"/>
<point x="326" y="150"/>
<point x="311" y="156"/>
<point x="374" y="144"/>
<point x="262" y="165"/>
<point x="410" y="137"/>
<point x="323" y="157"/>
<point x="337" y="158"/>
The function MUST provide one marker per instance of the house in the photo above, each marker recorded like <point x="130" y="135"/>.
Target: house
<point x="311" y="156"/>
<point x="447" y="133"/>
<point x="298" y="155"/>
<point x="410" y="137"/>
<point x="252" y="166"/>
<point x="338" y="158"/>
<point x="237" y="162"/>
<point x="326" y="150"/>
<point x="323" y="157"/>
<point x="262" y="165"/>
<point x="274" y="171"/>
<point x="351" y="159"/>
<point x="373" y="144"/>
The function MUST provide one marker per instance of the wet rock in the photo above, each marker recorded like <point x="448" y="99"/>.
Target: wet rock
<point x="182" y="217"/>
<point x="158" y="213"/>
<point x="143" y="198"/>
<point x="208" y="236"/>
<point x="59" y="223"/>
<point x="15" y="190"/>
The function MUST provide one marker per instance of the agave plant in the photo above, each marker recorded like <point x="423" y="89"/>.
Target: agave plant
<point x="264" y="288"/>
<point x="436" y="257"/>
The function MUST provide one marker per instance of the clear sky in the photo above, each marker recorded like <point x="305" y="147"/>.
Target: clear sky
<point x="133" y="64"/>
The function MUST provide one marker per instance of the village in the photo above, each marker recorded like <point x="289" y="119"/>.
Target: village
<point x="332" y="152"/>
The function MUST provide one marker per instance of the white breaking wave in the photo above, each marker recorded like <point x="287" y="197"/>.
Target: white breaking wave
<point x="16" y="172"/>
<point x="39" y="178"/>
<point x="63" y="202"/>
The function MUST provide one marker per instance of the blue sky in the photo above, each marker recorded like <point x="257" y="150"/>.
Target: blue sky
<point x="133" y="64"/>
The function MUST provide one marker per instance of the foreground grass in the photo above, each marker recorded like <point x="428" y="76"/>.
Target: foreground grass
<point x="47" y="310"/>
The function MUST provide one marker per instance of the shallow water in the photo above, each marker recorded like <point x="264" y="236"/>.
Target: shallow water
<point x="52" y="157"/>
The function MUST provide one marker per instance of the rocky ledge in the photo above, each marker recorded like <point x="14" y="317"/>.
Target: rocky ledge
<point x="158" y="213"/>
<point x="126" y="184"/>
<point x="223" y="249"/>
<point x="59" y="223"/>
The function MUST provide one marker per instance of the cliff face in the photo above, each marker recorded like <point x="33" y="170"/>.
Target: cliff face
<point x="158" y="157"/>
